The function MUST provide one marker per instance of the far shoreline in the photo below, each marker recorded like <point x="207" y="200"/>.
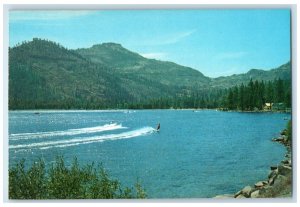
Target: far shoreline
<point x="175" y="109"/>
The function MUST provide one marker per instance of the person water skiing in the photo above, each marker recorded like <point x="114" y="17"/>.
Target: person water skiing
<point x="158" y="127"/>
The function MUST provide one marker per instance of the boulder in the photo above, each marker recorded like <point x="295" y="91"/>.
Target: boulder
<point x="237" y="194"/>
<point x="273" y="173"/>
<point x="246" y="191"/>
<point x="273" y="167"/>
<point x="272" y="179"/>
<point x="265" y="191"/>
<point x="224" y="196"/>
<point x="283" y="132"/>
<point x="280" y="180"/>
<point x="284" y="170"/>
<point x="241" y="196"/>
<point x="259" y="184"/>
<point x="255" y="194"/>
<point x="285" y="161"/>
<point x="279" y="139"/>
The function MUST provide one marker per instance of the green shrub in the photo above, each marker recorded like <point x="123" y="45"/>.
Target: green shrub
<point x="62" y="182"/>
<point x="28" y="184"/>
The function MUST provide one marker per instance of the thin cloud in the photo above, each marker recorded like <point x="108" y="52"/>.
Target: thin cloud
<point x="46" y="15"/>
<point x="155" y="55"/>
<point x="177" y="37"/>
<point x="168" y="38"/>
<point x="231" y="55"/>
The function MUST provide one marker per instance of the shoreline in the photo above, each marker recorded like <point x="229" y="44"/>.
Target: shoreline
<point x="278" y="183"/>
<point x="175" y="109"/>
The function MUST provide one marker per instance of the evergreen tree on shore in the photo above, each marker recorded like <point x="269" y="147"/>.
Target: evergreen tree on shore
<point x="256" y="94"/>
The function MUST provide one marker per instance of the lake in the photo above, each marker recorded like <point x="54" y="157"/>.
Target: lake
<point x="196" y="154"/>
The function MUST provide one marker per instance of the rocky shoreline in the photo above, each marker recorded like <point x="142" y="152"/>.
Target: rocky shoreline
<point x="279" y="181"/>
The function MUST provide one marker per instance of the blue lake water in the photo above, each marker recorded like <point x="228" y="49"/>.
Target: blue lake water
<point x="196" y="154"/>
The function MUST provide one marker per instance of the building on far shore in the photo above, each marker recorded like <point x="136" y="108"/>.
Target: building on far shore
<point x="276" y="107"/>
<point x="268" y="106"/>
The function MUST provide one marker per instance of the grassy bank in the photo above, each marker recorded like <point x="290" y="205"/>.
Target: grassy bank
<point x="62" y="182"/>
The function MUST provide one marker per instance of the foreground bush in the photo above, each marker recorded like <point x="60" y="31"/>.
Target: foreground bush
<point x="62" y="182"/>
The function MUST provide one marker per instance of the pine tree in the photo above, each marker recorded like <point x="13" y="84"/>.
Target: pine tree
<point x="241" y="100"/>
<point x="230" y="100"/>
<point x="279" y="91"/>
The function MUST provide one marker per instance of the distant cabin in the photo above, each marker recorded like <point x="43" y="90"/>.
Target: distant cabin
<point x="268" y="106"/>
<point x="275" y="107"/>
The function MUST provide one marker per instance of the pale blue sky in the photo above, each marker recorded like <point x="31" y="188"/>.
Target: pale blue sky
<point x="215" y="42"/>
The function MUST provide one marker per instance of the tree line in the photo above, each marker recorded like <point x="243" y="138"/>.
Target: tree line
<point x="255" y="94"/>
<point x="244" y="97"/>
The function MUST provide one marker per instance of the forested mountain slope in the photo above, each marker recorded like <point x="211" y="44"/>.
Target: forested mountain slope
<point x="44" y="74"/>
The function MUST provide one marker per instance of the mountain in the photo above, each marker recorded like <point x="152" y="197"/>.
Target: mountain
<point x="145" y="78"/>
<point x="111" y="54"/>
<point x="44" y="74"/>
<point x="134" y="66"/>
<point x="282" y="72"/>
<point x="126" y="62"/>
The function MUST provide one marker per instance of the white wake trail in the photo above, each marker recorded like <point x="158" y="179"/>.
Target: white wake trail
<point x="69" y="132"/>
<point x="86" y="140"/>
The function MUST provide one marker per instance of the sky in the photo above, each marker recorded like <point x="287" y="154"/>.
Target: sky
<point x="216" y="42"/>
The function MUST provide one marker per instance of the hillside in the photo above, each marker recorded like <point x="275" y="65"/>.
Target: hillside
<point x="282" y="72"/>
<point x="134" y="66"/>
<point x="44" y="74"/>
<point x="128" y="63"/>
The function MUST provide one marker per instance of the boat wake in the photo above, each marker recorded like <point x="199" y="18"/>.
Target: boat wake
<point x="86" y="140"/>
<point x="69" y="132"/>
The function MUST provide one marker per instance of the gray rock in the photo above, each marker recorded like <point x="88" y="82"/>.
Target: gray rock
<point x="283" y="132"/>
<point x="285" y="161"/>
<point x="265" y="190"/>
<point x="273" y="167"/>
<point x="271" y="173"/>
<point x="259" y="184"/>
<point x="224" y="196"/>
<point x="255" y="194"/>
<point x="237" y="194"/>
<point x="272" y="179"/>
<point x="284" y="170"/>
<point x="247" y="191"/>
<point x="279" y="139"/>
<point x="280" y="180"/>
<point x="241" y="196"/>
